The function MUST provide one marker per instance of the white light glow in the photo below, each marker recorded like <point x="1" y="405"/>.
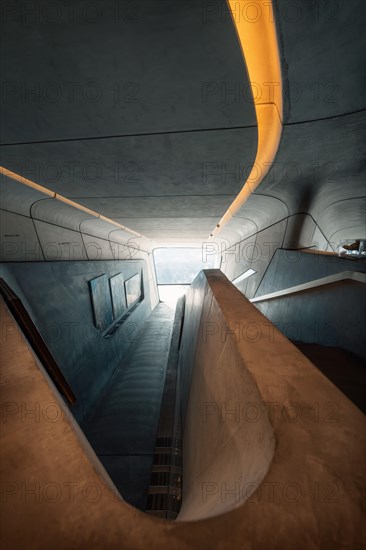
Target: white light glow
<point x="243" y="276"/>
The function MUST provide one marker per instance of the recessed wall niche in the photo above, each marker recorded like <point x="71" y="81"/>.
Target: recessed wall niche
<point x="113" y="299"/>
<point x="118" y="295"/>
<point x="101" y="302"/>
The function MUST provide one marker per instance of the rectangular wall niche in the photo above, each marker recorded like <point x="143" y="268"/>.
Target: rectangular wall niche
<point x="118" y="295"/>
<point x="113" y="299"/>
<point x="101" y="302"/>
<point x="133" y="289"/>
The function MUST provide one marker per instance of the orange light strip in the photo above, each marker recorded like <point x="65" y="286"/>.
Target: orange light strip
<point x="61" y="198"/>
<point x="256" y="31"/>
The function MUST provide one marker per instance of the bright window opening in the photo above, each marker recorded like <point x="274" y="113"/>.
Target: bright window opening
<point x="176" y="268"/>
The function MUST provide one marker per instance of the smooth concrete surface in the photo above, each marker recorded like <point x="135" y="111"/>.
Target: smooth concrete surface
<point x="57" y="297"/>
<point x="136" y="68"/>
<point x="217" y="449"/>
<point x="296" y="267"/>
<point x="245" y="373"/>
<point x="324" y="316"/>
<point x="60" y="231"/>
<point x="170" y="416"/>
<point x="332" y="315"/>
<point x="316" y="39"/>
<point x="257" y="250"/>
<point x="143" y="166"/>
<point x="343" y="276"/>
<point x="318" y="161"/>
<point x="134" y="180"/>
<point x="190" y="335"/>
<point x="322" y="454"/>
<point x="344" y="369"/>
<point x="122" y="426"/>
<point x="132" y="105"/>
<point x="137" y="140"/>
<point x="319" y="168"/>
<point x="168" y="154"/>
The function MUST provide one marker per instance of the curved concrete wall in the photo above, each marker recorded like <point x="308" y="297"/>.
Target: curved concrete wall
<point x="319" y="168"/>
<point x="245" y="377"/>
<point x="257" y="250"/>
<point x="332" y="315"/>
<point x="61" y="496"/>
<point x="270" y="254"/>
<point x="59" y="231"/>
<point x="220" y="446"/>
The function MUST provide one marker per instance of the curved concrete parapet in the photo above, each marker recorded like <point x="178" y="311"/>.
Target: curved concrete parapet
<point x="243" y="376"/>
<point x="54" y="487"/>
<point x="227" y="439"/>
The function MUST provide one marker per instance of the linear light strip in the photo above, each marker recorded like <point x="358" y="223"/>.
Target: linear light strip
<point x="329" y="279"/>
<point x="243" y="276"/>
<point x="256" y="31"/>
<point x="61" y="198"/>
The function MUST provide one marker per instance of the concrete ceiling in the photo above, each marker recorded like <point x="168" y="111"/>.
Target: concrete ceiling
<point x="144" y="114"/>
<point x="161" y="140"/>
<point x="320" y="164"/>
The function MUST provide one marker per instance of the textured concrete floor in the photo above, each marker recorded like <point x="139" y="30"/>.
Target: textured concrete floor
<point x="123" y="424"/>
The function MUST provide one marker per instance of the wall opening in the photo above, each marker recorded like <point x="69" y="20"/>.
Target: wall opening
<point x="176" y="268"/>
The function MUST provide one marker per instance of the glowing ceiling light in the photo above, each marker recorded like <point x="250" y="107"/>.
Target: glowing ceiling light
<point x="52" y="194"/>
<point x="256" y="31"/>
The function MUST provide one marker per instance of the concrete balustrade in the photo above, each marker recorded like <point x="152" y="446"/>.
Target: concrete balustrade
<point x="222" y="444"/>
<point x="290" y="476"/>
<point x="247" y="377"/>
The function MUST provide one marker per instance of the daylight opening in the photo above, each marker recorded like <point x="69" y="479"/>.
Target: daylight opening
<point x="176" y="268"/>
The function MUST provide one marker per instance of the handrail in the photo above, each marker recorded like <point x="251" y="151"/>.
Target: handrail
<point x="35" y="339"/>
<point x="344" y="275"/>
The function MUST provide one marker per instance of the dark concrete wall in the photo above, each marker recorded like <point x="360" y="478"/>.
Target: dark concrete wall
<point x="57" y="297"/>
<point x="277" y="267"/>
<point x="258" y="248"/>
<point x="323" y="57"/>
<point x="332" y="315"/>
<point x="295" y="267"/>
